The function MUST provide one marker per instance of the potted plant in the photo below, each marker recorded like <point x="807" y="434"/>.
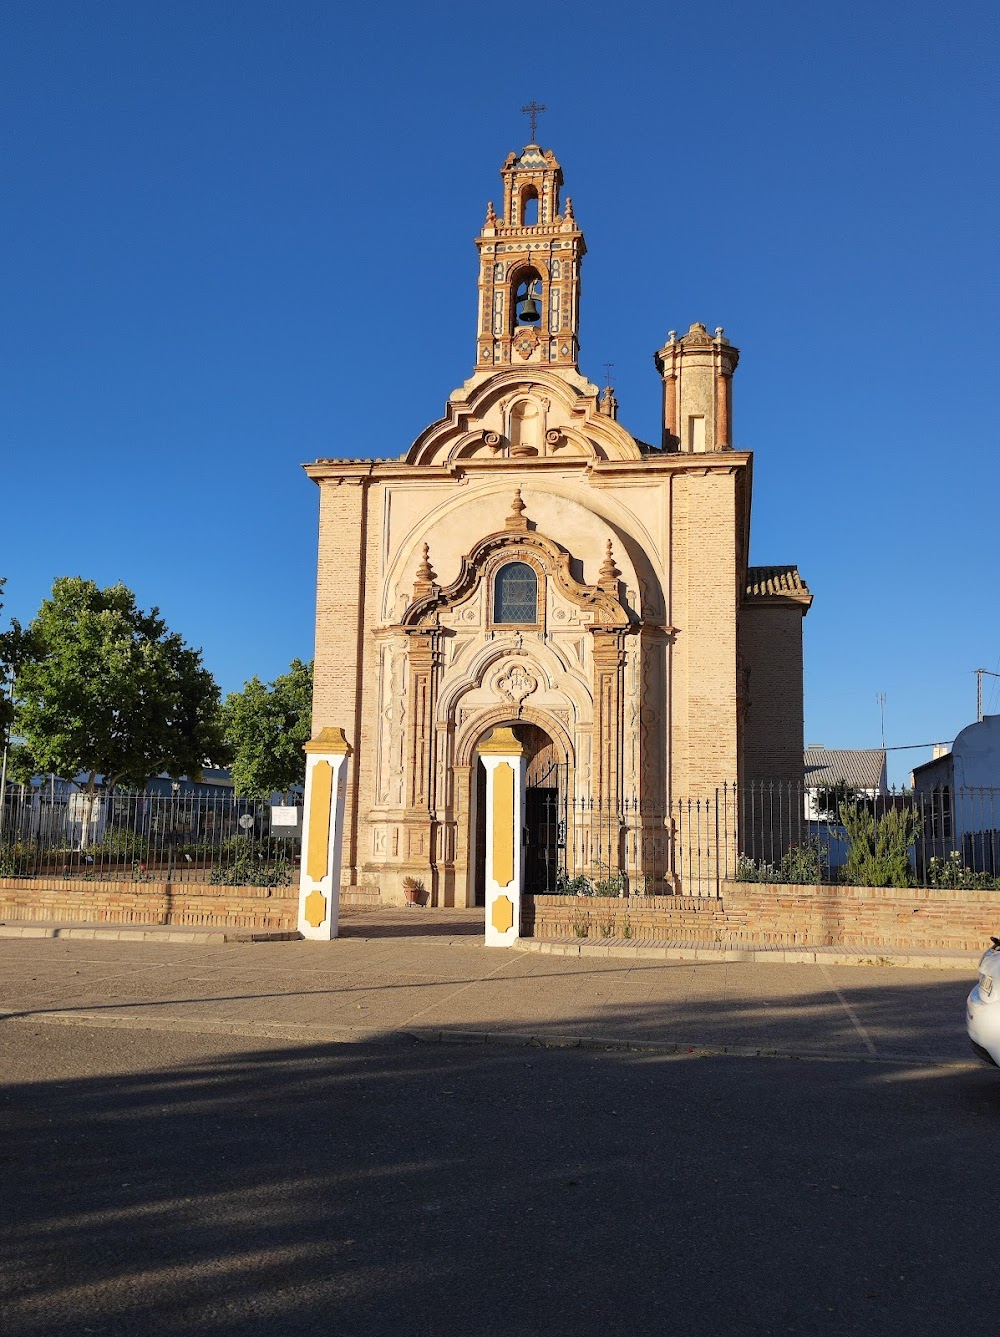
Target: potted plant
<point x="413" y="890"/>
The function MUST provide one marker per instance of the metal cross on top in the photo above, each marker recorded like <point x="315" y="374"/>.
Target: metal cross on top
<point x="532" y="109"/>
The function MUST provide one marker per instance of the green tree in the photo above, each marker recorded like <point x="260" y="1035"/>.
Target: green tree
<point x="106" y="689"/>
<point x="266" y="726"/>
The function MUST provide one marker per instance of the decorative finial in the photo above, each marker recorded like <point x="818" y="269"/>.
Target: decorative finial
<point x="491" y="215"/>
<point x="532" y="109"/>
<point x="608" y="573"/>
<point x="516" y="519"/>
<point x="425" y="576"/>
<point x="569" y="215"/>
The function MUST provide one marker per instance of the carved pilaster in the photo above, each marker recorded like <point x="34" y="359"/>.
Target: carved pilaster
<point x="609" y="667"/>
<point x="424" y="656"/>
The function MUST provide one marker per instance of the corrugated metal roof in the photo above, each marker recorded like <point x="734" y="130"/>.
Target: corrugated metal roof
<point x="863" y="770"/>
<point x="764" y="580"/>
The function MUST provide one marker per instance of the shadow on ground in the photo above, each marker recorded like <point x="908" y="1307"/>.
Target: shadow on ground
<point x="164" y="1183"/>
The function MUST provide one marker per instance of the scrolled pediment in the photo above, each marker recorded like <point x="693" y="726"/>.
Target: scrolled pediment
<point x="511" y="416"/>
<point x="552" y="561"/>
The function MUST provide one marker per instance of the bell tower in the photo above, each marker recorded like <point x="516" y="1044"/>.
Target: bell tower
<point x="529" y="268"/>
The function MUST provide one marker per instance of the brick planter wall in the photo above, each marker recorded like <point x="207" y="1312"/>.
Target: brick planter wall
<point x="648" y="918"/>
<point x="183" y="905"/>
<point x="755" y="913"/>
<point x="864" y="916"/>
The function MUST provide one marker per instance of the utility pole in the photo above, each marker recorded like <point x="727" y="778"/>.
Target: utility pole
<point x="3" y="765"/>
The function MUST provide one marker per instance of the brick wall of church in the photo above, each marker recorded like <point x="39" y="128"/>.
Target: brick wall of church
<point x="704" y="573"/>
<point x="771" y="657"/>
<point x="340" y="609"/>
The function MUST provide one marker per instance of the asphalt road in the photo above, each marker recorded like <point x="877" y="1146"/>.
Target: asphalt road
<point x="179" y="1183"/>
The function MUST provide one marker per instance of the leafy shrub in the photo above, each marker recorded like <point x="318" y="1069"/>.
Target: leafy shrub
<point x="250" y="871"/>
<point x="16" y="857"/>
<point x="805" y="864"/>
<point x="120" y="844"/>
<point x="604" y="883"/>
<point x="952" y="874"/>
<point x="879" y="851"/>
<point x="572" y="886"/>
<point x="800" y="865"/>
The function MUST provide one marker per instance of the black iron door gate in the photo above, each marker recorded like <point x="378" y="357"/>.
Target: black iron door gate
<point x="545" y="827"/>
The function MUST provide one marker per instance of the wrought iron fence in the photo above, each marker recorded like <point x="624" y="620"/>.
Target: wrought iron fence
<point x="943" y="837"/>
<point x="190" y="836"/>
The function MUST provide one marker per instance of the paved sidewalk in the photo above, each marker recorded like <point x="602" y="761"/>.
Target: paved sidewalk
<point x="430" y="977"/>
<point x="468" y="923"/>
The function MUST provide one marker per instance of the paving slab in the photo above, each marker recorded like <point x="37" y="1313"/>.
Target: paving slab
<point x="431" y="977"/>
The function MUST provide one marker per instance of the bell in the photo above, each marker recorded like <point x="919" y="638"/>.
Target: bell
<point x="528" y="312"/>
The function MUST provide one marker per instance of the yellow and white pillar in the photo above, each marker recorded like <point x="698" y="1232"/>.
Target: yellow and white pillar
<point x="503" y="757"/>
<point x="322" y="834"/>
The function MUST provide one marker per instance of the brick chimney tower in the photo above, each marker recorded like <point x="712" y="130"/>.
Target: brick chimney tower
<point x="697" y="372"/>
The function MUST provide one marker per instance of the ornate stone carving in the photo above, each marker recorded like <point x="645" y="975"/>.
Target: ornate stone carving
<point x="516" y="518"/>
<point x="609" y="573"/>
<point x="526" y="343"/>
<point x="516" y="684"/>
<point x="697" y="336"/>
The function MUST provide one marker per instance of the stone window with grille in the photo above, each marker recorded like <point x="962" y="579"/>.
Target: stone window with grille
<point x="515" y="595"/>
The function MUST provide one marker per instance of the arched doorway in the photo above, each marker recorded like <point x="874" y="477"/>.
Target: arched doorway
<point x="545" y="798"/>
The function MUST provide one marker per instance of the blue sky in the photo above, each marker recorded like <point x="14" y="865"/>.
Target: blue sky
<point x="239" y="236"/>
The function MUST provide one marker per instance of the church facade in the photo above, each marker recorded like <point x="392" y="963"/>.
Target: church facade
<point x="530" y="563"/>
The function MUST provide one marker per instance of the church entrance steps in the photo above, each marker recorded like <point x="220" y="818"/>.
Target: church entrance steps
<point x="366" y="899"/>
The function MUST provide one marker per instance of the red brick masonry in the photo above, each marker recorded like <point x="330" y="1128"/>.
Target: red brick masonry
<point x="188" y="905"/>
<point x="745" y="913"/>
<point x="782" y="915"/>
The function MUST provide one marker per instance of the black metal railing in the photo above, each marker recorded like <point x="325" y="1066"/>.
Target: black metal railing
<point x="56" y="831"/>
<point x="786" y="833"/>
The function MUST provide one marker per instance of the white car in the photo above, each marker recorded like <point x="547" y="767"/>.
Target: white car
<point x="982" y="1011"/>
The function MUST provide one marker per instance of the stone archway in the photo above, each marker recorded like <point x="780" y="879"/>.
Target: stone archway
<point x="549" y="771"/>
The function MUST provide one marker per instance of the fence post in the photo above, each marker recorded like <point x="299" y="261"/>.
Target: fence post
<point x="323" y="829"/>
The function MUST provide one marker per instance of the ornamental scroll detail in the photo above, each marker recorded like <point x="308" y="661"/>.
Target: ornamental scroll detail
<point x="516" y="684"/>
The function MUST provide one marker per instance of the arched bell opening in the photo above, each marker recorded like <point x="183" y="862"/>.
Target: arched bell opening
<point x="527" y="303"/>
<point x="529" y="207"/>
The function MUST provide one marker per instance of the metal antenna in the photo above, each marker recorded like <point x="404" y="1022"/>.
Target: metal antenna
<point x="608" y="375"/>
<point x="979" y="689"/>
<point x="880" y="698"/>
<point x="533" y="109"/>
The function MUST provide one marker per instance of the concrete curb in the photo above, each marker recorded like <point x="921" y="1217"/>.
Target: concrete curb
<point x="725" y="952"/>
<point x="146" y="933"/>
<point x="916" y="958"/>
<point x="308" y="1032"/>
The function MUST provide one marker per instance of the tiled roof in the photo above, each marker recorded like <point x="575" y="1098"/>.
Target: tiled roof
<point x="765" y="580"/>
<point x="863" y="770"/>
